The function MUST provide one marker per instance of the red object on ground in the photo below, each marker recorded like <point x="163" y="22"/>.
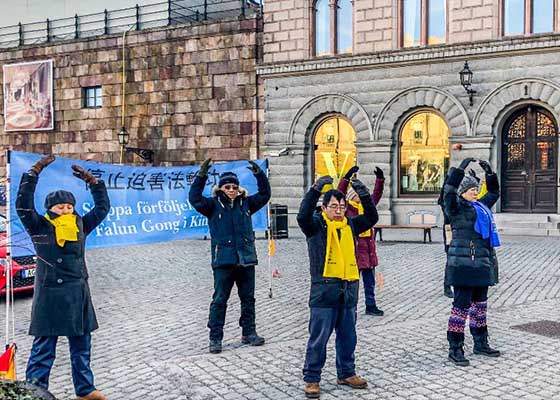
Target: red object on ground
<point x="276" y="273"/>
<point x="457" y="146"/>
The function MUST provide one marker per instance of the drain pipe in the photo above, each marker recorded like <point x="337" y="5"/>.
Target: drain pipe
<point x="123" y="97"/>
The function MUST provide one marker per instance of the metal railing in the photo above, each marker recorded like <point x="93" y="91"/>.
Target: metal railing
<point x="165" y="13"/>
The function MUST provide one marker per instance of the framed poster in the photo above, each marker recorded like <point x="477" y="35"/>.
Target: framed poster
<point x="28" y="96"/>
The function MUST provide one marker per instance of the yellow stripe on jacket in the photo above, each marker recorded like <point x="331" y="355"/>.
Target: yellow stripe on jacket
<point x="340" y="256"/>
<point x="358" y="206"/>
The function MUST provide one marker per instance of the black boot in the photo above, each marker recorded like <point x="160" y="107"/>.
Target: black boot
<point x="481" y="346"/>
<point x="215" y="346"/>
<point x="456" y="353"/>
<point x="373" y="310"/>
<point x="253" y="339"/>
<point x="447" y="291"/>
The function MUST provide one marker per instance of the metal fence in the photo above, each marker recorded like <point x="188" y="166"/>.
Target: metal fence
<point x="165" y="13"/>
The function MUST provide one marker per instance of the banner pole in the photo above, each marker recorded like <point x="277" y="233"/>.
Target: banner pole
<point x="8" y="249"/>
<point x="269" y="236"/>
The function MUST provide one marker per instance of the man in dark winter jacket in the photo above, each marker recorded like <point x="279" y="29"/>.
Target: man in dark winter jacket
<point x="331" y="239"/>
<point x="471" y="257"/>
<point x="232" y="247"/>
<point x="62" y="302"/>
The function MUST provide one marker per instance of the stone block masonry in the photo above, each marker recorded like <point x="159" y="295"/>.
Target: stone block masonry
<point x="191" y="93"/>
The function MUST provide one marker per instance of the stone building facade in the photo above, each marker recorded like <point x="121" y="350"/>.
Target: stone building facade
<point x="398" y="74"/>
<point x="191" y="92"/>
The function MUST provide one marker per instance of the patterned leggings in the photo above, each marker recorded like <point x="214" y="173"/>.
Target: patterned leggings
<point x="469" y="302"/>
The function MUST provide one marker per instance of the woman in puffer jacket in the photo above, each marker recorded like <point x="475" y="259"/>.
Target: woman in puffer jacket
<point x="471" y="257"/>
<point x="366" y="254"/>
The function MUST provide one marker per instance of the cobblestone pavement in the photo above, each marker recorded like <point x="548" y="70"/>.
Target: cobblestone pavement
<point x="152" y="304"/>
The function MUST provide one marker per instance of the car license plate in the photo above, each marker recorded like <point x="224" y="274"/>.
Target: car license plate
<point x="28" y="273"/>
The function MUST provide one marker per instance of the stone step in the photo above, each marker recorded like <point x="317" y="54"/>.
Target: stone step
<point x="525" y="231"/>
<point x="507" y="217"/>
<point x="523" y="224"/>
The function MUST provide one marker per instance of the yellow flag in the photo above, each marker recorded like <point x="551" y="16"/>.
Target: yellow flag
<point x="8" y="363"/>
<point x="271" y="247"/>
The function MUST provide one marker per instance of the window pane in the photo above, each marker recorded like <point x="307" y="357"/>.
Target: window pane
<point x="411" y="23"/>
<point x="436" y="21"/>
<point x="514" y="17"/>
<point x="543" y="16"/>
<point x="91" y="101"/>
<point x="424" y="154"/>
<point x="344" y="26"/>
<point x="322" y="27"/>
<point x="335" y="150"/>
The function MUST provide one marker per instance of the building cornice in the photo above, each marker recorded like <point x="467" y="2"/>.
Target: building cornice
<point x="472" y="51"/>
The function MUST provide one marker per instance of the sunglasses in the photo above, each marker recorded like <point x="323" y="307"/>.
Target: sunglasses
<point x="231" y="187"/>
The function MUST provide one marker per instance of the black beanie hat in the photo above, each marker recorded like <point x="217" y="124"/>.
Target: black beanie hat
<point x="228" y="177"/>
<point x="59" y="197"/>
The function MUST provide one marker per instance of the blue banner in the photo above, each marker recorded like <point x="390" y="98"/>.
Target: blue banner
<point x="148" y="204"/>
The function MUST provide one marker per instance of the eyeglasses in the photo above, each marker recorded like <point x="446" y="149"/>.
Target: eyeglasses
<point x="334" y="207"/>
<point x="231" y="187"/>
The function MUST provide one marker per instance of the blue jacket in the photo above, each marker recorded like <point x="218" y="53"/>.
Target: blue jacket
<point x="330" y="292"/>
<point x="230" y="224"/>
<point x="471" y="259"/>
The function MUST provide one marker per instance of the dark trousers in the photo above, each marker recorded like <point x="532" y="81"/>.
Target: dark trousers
<point x="368" y="280"/>
<point x="43" y="354"/>
<point x="224" y="278"/>
<point x="322" y="322"/>
<point x="465" y="295"/>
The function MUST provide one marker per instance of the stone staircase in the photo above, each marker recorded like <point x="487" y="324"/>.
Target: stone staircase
<point x="528" y="224"/>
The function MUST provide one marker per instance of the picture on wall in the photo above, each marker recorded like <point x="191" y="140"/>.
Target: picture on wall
<point x="28" y="96"/>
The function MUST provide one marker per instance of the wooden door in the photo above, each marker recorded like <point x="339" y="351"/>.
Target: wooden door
<point x="529" y="162"/>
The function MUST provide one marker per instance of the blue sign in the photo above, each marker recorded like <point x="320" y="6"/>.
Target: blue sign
<point x="148" y="204"/>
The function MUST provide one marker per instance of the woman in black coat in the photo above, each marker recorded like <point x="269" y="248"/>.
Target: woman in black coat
<point x="61" y="302"/>
<point x="471" y="259"/>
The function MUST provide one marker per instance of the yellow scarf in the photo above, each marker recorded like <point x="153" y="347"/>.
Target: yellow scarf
<point x="340" y="256"/>
<point x="65" y="228"/>
<point x="360" y="208"/>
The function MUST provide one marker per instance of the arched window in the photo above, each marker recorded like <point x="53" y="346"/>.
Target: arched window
<point x="335" y="149"/>
<point x="424" y="154"/>
<point x="322" y="27"/>
<point x="337" y="14"/>
<point x="344" y="26"/>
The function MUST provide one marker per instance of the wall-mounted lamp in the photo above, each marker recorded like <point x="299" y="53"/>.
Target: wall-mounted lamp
<point x="466" y="80"/>
<point x="145" y="154"/>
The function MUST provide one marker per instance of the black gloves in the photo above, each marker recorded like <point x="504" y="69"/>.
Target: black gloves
<point x="81" y="173"/>
<point x="351" y="172"/>
<point x="360" y="189"/>
<point x="203" y="171"/>
<point x="42" y="163"/>
<point x="379" y="173"/>
<point x="322" y="181"/>
<point x="486" y="167"/>
<point x="254" y="168"/>
<point x="465" y="163"/>
<point x="473" y="174"/>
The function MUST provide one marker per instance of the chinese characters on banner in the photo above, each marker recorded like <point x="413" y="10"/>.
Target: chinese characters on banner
<point x="148" y="204"/>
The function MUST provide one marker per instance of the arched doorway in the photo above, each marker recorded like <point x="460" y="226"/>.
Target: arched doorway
<point x="334" y="148"/>
<point x="530" y="162"/>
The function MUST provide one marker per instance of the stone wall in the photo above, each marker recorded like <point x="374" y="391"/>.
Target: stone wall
<point x="378" y="98"/>
<point x="376" y="25"/>
<point x="192" y="92"/>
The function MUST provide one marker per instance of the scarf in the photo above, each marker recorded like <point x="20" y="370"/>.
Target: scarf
<point x="65" y="228"/>
<point x="358" y="206"/>
<point x="485" y="224"/>
<point x="340" y="256"/>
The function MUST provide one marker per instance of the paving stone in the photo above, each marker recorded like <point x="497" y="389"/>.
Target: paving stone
<point x="152" y="303"/>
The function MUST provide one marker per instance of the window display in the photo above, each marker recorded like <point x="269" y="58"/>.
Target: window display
<point x="424" y="154"/>
<point x="335" y="151"/>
